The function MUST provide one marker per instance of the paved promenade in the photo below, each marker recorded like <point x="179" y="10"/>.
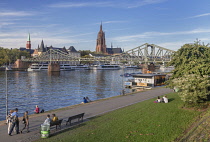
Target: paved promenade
<point x="90" y="109"/>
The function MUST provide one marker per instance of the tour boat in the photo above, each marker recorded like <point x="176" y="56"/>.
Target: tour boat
<point x="44" y="67"/>
<point x="106" y="67"/>
<point x="130" y="67"/>
<point x="80" y="67"/>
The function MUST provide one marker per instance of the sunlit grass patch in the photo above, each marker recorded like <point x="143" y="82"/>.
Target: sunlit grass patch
<point x="145" y="121"/>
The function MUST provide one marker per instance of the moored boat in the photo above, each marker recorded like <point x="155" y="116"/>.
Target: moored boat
<point x="44" y="67"/>
<point x="130" y="67"/>
<point x="80" y="67"/>
<point x="106" y="67"/>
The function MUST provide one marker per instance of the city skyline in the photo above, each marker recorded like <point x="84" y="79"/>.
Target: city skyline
<point x="127" y="24"/>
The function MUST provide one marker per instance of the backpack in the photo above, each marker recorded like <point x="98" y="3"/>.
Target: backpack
<point x="14" y="118"/>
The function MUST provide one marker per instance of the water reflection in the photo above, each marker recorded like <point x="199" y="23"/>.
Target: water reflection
<point x="58" y="89"/>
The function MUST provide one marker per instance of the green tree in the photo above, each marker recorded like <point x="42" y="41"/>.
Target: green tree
<point x="9" y="56"/>
<point x="85" y="52"/>
<point x="191" y="73"/>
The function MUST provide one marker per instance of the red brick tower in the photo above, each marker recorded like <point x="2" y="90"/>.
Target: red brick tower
<point x="28" y="44"/>
<point x="101" y="42"/>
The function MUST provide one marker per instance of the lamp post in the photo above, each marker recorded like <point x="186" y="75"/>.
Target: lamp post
<point x="123" y="91"/>
<point x="6" y="93"/>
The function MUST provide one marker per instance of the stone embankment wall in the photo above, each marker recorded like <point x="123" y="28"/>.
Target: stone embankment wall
<point x="20" y="65"/>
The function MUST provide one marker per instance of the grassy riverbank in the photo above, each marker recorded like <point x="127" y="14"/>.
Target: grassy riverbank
<point x="145" y="121"/>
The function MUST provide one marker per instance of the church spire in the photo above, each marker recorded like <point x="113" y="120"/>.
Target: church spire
<point x="28" y="43"/>
<point x="101" y="26"/>
<point x="29" y="38"/>
<point x="101" y="41"/>
<point x="41" y="47"/>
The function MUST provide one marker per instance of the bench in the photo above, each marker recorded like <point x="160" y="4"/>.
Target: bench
<point x="56" y="123"/>
<point x="79" y="116"/>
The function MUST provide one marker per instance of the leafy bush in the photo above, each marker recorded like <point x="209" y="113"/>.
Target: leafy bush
<point x="194" y="88"/>
<point x="191" y="73"/>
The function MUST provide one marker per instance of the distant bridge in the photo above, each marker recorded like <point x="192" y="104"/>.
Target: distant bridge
<point x="145" y="53"/>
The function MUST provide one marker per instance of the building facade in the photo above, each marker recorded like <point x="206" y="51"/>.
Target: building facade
<point x="101" y="41"/>
<point x="101" y="45"/>
<point x="28" y="46"/>
<point x="71" y="51"/>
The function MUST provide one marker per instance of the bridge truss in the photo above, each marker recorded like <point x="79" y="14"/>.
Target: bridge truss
<point x="145" y="53"/>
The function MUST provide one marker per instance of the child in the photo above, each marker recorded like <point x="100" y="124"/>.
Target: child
<point x="9" y="121"/>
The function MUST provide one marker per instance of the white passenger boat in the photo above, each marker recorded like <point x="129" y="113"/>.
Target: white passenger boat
<point x="80" y="67"/>
<point x="106" y="67"/>
<point x="44" y="67"/>
<point x="130" y="67"/>
<point x="66" y="67"/>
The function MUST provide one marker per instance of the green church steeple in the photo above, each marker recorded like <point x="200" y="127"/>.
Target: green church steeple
<point x="29" y="38"/>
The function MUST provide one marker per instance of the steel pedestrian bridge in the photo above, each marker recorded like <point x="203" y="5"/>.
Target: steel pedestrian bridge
<point x="145" y="53"/>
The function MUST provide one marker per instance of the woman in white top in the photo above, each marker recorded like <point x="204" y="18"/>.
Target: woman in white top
<point x="47" y="121"/>
<point x="165" y="99"/>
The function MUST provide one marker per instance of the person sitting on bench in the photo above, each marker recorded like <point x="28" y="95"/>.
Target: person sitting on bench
<point x="47" y="121"/>
<point x="54" y="118"/>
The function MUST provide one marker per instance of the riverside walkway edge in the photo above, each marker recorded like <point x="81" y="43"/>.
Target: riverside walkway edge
<point x="90" y="109"/>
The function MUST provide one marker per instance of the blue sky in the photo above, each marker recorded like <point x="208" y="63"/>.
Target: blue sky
<point x="127" y="23"/>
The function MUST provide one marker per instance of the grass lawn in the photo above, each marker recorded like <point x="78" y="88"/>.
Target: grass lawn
<point x="142" y="122"/>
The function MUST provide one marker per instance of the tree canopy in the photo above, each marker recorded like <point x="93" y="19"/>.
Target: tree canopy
<point x="9" y="56"/>
<point x="85" y="53"/>
<point x="191" y="73"/>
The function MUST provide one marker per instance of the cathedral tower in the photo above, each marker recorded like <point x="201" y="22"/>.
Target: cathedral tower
<point x="101" y="42"/>
<point x="28" y="44"/>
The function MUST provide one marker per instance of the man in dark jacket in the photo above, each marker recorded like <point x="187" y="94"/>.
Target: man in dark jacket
<point x="15" y="122"/>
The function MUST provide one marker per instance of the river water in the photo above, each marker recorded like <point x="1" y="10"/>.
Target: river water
<point x="59" y="89"/>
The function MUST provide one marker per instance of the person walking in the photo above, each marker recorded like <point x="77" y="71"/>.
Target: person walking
<point x="9" y="120"/>
<point x="15" y="122"/>
<point x="26" y="122"/>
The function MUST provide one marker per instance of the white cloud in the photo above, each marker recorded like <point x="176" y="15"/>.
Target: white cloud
<point x="157" y="34"/>
<point x="80" y="4"/>
<point x="173" y="45"/>
<point x="144" y="2"/>
<point x="15" y="13"/>
<point x="201" y="15"/>
<point x="110" y="22"/>
<point x="5" y="24"/>
<point x="35" y="26"/>
<point x="18" y="38"/>
<point x="114" y="3"/>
